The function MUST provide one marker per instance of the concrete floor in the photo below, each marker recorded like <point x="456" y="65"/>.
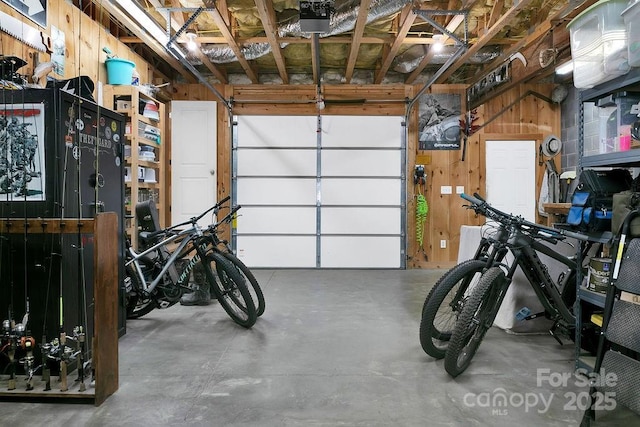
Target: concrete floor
<point x="334" y="348"/>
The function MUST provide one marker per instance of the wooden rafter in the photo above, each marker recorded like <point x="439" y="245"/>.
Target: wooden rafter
<point x="221" y="75"/>
<point x="451" y="26"/>
<point x="409" y="18"/>
<point x="356" y="40"/>
<point x="486" y="38"/>
<point x="217" y="17"/>
<point x="496" y="10"/>
<point x="268" y="18"/>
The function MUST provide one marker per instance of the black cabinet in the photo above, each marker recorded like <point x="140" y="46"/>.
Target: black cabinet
<point x="60" y="157"/>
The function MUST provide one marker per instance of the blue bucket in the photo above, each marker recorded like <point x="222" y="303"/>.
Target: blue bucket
<point x="119" y="71"/>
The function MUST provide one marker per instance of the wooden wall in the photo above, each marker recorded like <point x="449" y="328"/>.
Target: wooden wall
<point x="515" y="114"/>
<point x="84" y="40"/>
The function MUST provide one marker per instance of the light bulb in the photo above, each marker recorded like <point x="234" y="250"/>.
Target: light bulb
<point x="191" y="42"/>
<point x="437" y="42"/>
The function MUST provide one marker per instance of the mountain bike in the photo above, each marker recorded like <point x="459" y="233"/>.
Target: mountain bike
<point x="447" y="297"/>
<point x="445" y="301"/>
<point x="153" y="281"/>
<point x="524" y="241"/>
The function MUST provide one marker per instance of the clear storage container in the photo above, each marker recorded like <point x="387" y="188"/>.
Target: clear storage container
<point x="631" y="17"/>
<point x="599" y="44"/>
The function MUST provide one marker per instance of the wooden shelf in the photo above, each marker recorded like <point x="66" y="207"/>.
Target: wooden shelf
<point x="139" y="190"/>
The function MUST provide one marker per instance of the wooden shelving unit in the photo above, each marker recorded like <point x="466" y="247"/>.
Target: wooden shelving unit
<point x="143" y="133"/>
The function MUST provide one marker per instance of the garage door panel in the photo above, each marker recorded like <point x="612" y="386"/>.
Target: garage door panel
<point x="286" y="162"/>
<point x="354" y="191"/>
<point x="360" y="252"/>
<point x="277" y="191"/>
<point x="361" y="131"/>
<point x="360" y="163"/>
<point x="277" y="131"/>
<point x="273" y="219"/>
<point x="277" y="251"/>
<point x="360" y="220"/>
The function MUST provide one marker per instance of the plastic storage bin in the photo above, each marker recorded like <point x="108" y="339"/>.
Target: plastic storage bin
<point x="599" y="44"/>
<point x="631" y="17"/>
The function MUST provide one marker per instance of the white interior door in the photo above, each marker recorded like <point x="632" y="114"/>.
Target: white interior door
<point x="193" y="159"/>
<point x="511" y="177"/>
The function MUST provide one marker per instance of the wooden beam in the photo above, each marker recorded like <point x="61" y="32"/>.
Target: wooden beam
<point x="356" y="39"/>
<point x="268" y="18"/>
<point x="217" y="17"/>
<point x="496" y="11"/>
<point x="485" y="39"/>
<point x="221" y="75"/>
<point x="451" y="27"/>
<point x="410" y="17"/>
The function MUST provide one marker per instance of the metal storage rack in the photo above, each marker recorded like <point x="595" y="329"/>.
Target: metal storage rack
<point x="624" y="159"/>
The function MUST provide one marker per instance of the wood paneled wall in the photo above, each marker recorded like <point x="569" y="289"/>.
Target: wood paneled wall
<point x="519" y="113"/>
<point x="84" y="40"/>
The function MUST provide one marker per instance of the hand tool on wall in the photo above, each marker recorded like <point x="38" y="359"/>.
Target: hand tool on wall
<point x="25" y="33"/>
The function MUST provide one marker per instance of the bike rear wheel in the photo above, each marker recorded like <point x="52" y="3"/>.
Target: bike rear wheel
<point x="256" y="292"/>
<point x="443" y="306"/>
<point x="231" y="289"/>
<point x="137" y="305"/>
<point x="475" y="320"/>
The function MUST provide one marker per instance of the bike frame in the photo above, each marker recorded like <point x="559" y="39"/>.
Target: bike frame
<point x="525" y="250"/>
<point x="189" y="235"/>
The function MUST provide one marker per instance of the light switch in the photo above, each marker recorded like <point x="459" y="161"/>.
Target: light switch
<point x="459" y="189"/>
<point x="445" y="189"/>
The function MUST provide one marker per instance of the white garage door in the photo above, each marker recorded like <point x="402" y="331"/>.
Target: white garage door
<point x="321" y="192"/>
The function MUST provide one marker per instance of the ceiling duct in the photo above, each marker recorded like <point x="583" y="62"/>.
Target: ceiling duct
<point x="341" y="21"/>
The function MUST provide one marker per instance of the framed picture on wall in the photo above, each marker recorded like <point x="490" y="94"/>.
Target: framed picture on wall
<point x="22" y="162"/>
<point x="36" y="10"/>
<point x="439" y="121"/>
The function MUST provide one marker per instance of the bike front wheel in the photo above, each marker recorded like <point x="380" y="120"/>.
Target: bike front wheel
<point x="443" y="306"/>
<point x="252" y="283"/>
<point x="475" y="320"/>
<point x="230" y="288"/>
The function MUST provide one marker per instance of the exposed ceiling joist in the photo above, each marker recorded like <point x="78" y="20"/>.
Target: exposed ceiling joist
<point x="217" y="17"/>
<point x="356" y="39"/>
<point x="409" y="17"/>
<point x="268" y="18"/>
<point x="486" y="38"/>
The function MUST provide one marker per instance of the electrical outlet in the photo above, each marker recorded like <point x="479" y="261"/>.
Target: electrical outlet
<point x="443" y="244"/>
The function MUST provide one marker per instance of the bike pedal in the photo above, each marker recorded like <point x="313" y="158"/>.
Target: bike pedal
<point x="523" y="313"/>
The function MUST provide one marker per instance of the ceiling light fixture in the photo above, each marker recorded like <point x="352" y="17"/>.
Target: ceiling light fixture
<point x="144" y="20"/>
<point x="438" y="42"/>
<point x="565" y="68"/>
<point x="191" y="40"/>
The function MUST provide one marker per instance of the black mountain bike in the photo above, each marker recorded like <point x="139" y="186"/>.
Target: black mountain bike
<point x="524" y="240"/>
<point x="223" y="248"/>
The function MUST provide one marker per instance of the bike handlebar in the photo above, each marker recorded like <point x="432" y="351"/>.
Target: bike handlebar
<point x="192" y="221"/>
<point x="549" y="234"/>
